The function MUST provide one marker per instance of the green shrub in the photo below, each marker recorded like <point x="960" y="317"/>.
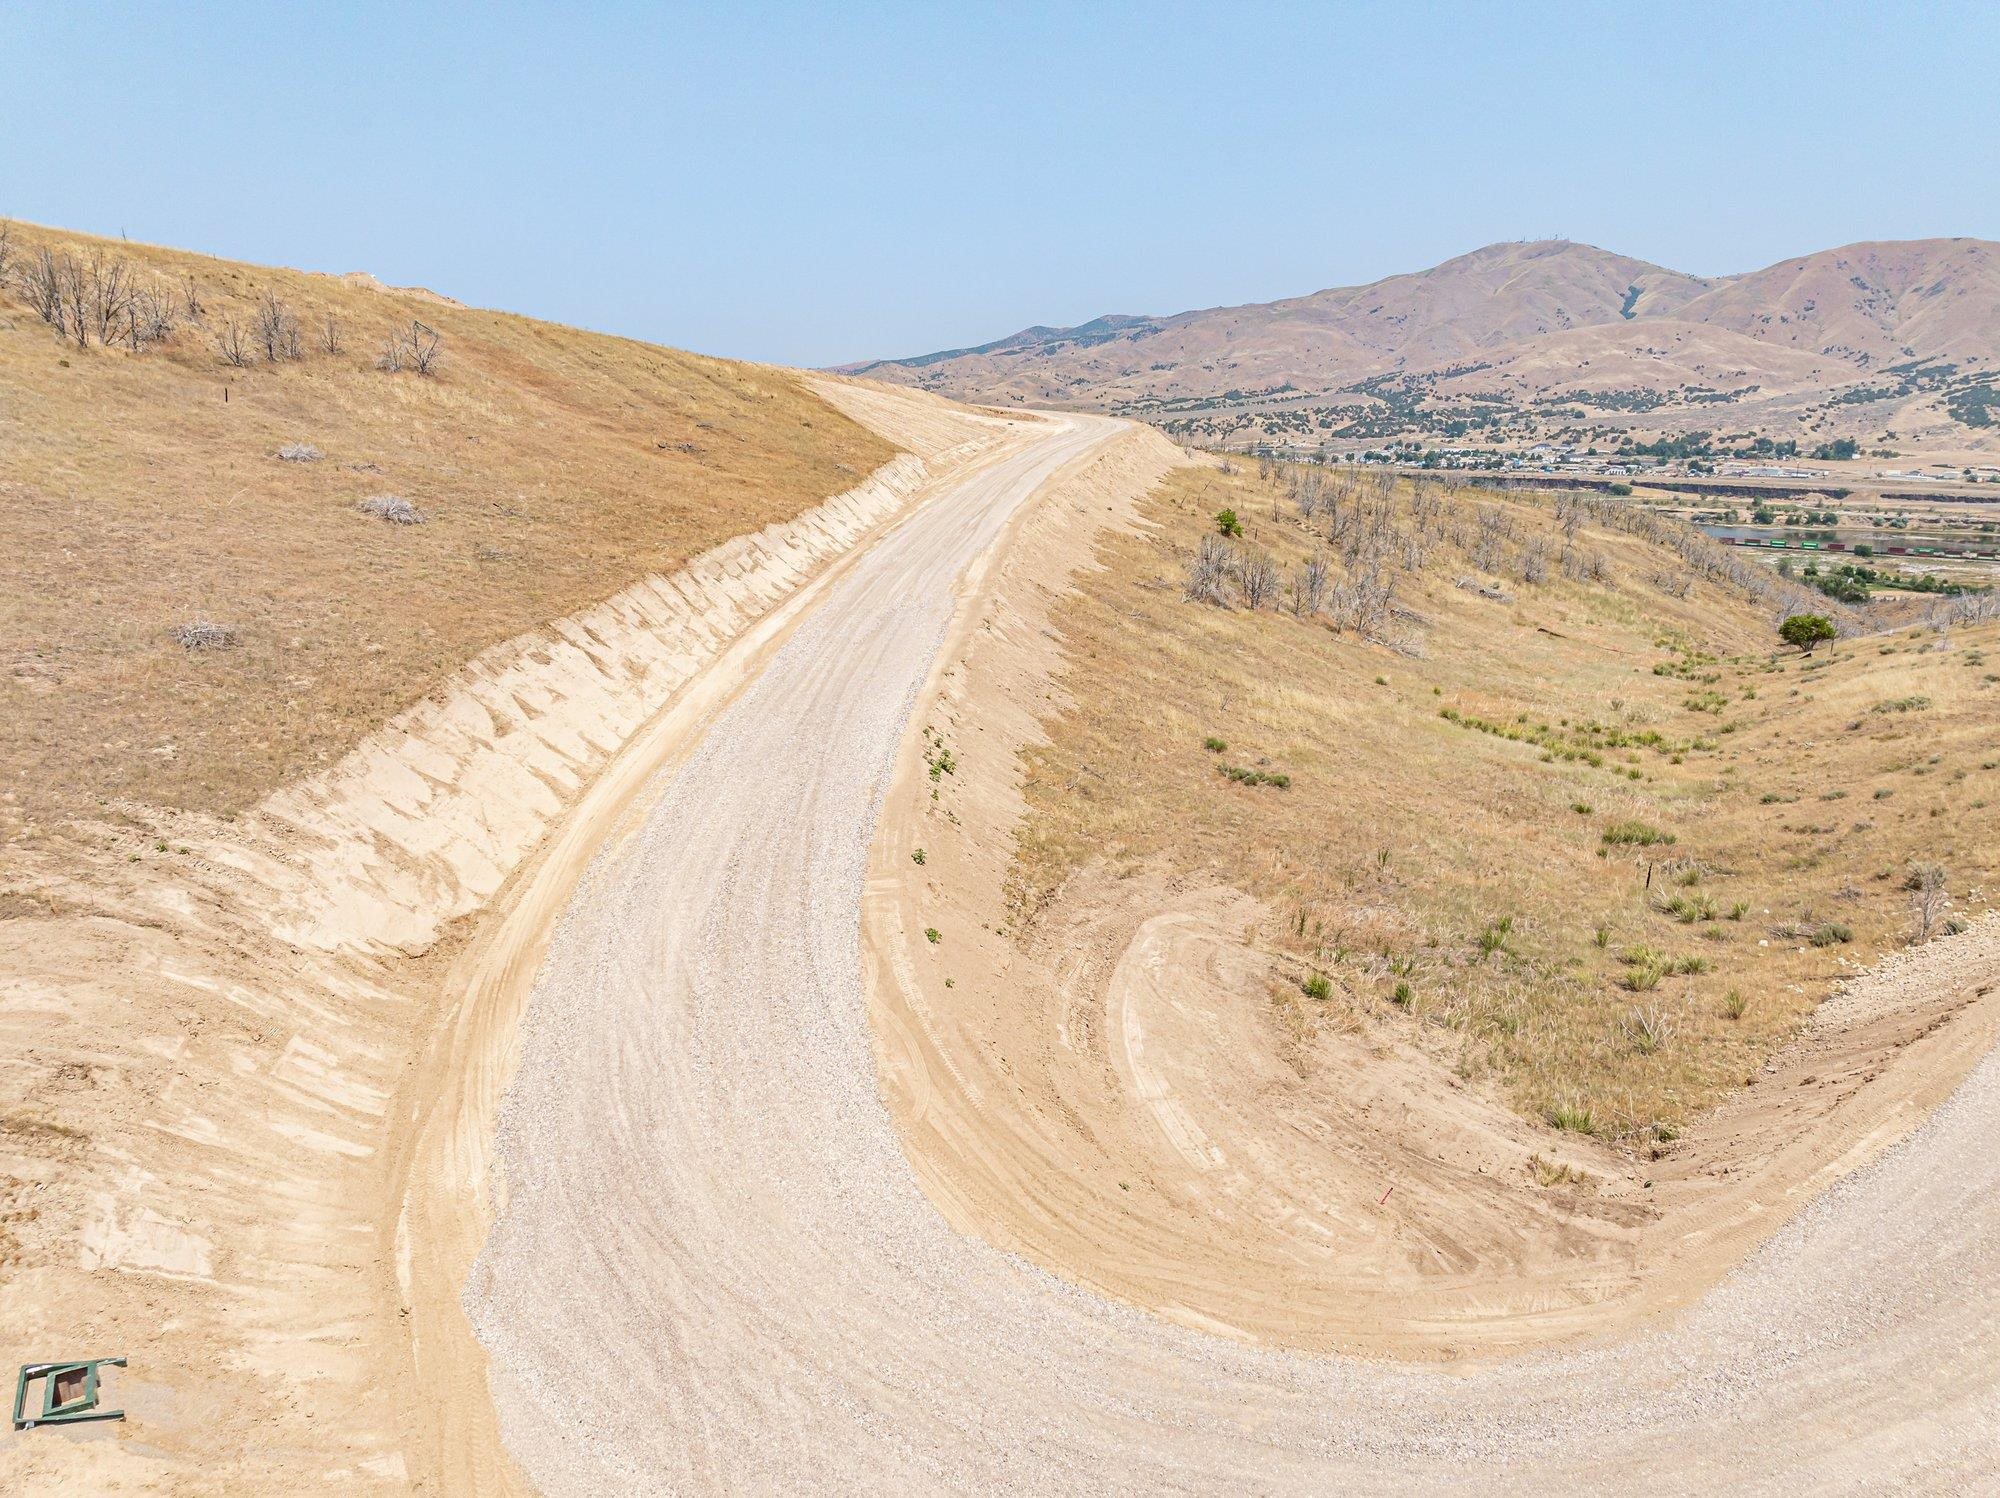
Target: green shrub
<point x="1804" y="632"/>
<point x="1402" y="995"/>
<point x="1317" y="987"/>
<point x="1734" y="1005"/>
<point x="1831" y="934"/>
<point x="1637" y="834"/>
<point x="1213" y="745"/>
<point x="1688" y="909"/>
<point x="931" y="935"/>
<point x="1572" y="1118"/>
<point x="1243" y="776"/>
<point x="917" y="856"/>
<point x="1227" y="523"/>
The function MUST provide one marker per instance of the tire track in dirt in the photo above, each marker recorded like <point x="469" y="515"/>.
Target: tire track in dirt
<point x="715" y="1271"/>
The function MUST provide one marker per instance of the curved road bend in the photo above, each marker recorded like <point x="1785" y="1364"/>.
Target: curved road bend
<point x="716" y="1273"/>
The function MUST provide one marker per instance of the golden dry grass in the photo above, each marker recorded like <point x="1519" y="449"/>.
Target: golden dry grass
<point x="1461" y="861"/>
<point x="140" y="491"/>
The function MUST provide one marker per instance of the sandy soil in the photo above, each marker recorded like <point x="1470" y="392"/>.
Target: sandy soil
<point x="1132" y="1096"/>
<point x="253" y="1079"/>
<point x="239" y="1111"/>
<point x="715" y="1268"/>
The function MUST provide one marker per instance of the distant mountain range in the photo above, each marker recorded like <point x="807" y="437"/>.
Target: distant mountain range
<point x="1519" y="341"/>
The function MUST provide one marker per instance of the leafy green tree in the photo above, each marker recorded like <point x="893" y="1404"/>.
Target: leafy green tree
<point x="1227" y="523"/>
<point x="1806" y="631"/>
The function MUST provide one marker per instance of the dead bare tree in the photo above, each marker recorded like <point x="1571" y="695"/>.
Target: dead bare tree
<point x="1928" y="898"/>
<point x="1309" y="580"/>
<point x="329" y="334"/>
<point x="153" y="316"/>
<point x="107" y="297"/>
<point x="1535" y="561"/>
<point x="1362" y="600"/>
<point x="1306" y="494"/>
<point x="420" y="349"/>
<point x="1257" y="581"/>
<point x="230" y="344"/>
<point x="276" y="329"/>
<point x="1491" y="546"/>
<point x="42" y="289"/>
<point x="6" y="249"/>
<point x="191" y="301"/>
<point x="1208" y="572"/>
<point x="426" y="349"/>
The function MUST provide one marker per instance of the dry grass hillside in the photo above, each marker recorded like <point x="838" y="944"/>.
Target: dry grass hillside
<point x="1496" y="296"/>
<point x="1535" y="788"/>
<point x="1891" y="342"/>
<point x="145" y="489"/>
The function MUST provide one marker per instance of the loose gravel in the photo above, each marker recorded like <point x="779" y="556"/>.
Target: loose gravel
<point x="715" y="1272"/>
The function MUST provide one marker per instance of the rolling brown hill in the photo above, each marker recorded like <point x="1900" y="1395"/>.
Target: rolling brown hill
<point x="1870" y="304"/>
<point x="1895" y="335"/>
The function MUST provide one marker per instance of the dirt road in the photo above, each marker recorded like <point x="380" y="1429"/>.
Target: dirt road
<point x="714" y="1271"/>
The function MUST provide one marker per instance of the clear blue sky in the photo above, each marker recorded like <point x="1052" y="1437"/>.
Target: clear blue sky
<point x="816" y="183"/>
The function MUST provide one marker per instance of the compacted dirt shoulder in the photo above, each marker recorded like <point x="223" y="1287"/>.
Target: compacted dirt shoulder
<point x="1133" y="1091"/>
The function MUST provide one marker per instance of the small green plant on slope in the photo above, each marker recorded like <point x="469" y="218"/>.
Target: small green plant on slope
<point x="1572" y="1118"/>
<point x="1227" y="523"/>
<point x="1255" y="777"/>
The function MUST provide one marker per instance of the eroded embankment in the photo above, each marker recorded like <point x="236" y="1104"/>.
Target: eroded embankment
<point x="215" y="1028"/>
<point x="1123" y="1094"/>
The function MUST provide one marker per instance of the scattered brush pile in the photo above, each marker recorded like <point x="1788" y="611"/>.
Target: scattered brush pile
<point x="393" y="508"/>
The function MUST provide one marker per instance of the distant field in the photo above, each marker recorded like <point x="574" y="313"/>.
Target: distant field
<point x="142" y="491"/>
<point x="1597" y="839"/>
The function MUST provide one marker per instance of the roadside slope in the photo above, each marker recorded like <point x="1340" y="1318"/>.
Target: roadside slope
<point x="1113" y="1064"/>
<point x="146" y="488"/>
<point x="218" y="992"/>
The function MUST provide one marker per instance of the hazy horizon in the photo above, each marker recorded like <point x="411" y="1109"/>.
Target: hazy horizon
<point x="813" y="189"/>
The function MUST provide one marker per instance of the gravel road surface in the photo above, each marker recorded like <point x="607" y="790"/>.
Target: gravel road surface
<point x="714" y="1271"/>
